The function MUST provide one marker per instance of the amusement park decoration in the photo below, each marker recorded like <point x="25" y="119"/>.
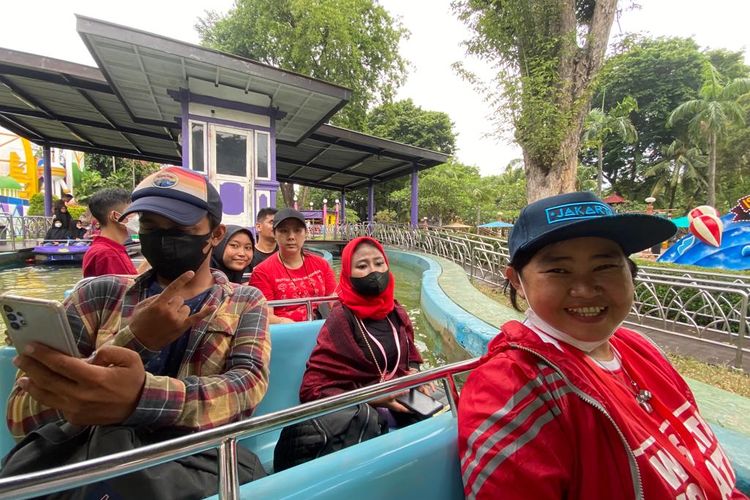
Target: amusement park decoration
<point x="742" y="210"/>
<point x="707" y="228"/>
<point x="702" y="210"/>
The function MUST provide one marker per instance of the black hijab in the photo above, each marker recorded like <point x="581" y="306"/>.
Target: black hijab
<point x="217" y="256"/>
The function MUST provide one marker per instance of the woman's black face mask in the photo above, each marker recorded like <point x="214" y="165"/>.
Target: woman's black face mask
<point x="172" y="252"/>
<point x="371" y="285"/>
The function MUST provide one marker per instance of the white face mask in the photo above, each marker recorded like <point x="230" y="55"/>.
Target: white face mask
<point x="58" y="224"/>
<point x="133" y="224"/>
<point x="536" y="323"/>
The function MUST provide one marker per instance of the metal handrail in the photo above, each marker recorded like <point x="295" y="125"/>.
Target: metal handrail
<point x="224" y="437"/>
<point x="307" y="301"/>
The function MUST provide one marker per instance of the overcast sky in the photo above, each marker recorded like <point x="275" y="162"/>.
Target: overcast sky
<point x="47" y="27"/>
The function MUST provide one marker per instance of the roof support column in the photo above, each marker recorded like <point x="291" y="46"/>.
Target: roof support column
<point x="185" y="134"/>
<point x="47" y="179"/>
<point x="371" y="202"/>
<point x="414" y="195"/>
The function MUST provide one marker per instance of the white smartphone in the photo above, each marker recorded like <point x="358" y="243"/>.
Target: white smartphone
<point x="37" y="320"/>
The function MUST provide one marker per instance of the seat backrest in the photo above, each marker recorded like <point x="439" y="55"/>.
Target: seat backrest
<point x="291" y="345"/>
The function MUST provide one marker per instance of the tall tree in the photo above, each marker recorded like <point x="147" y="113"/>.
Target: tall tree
<point x="683" y="166"/>
<point x="546" y="53"/>
<point x="711" y="115"/>
<point x="659" y="74"/>
<point x="600" y="124"/>
<point x="353" y="43"/>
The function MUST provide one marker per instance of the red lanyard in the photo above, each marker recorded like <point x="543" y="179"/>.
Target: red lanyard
<point x="626" y="400"/>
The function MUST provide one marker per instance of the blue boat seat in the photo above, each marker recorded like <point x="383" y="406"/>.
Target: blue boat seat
<point x="291" y="345"/>
<point x="419" y="461"/>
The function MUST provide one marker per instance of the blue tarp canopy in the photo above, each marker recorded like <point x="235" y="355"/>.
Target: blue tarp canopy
<point x="496" y="224"/>
<point x="681" y="221"/>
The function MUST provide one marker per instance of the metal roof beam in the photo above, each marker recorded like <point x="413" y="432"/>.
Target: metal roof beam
<point x="109" y="120"/>
<point x="31" y="100"/>
<point x="318" y="184"/>
<point x="21" y="128"/>
<point x="303" y="164"/>
<point x="56" y="78"/>
<point x="82" y="121"/>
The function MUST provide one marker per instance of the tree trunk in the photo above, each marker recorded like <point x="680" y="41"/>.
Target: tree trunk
<point x="543" y="180"/>
<point x="600" y="173"/>
<point x="712" y="170"/>
<point x="287" y="191"/>
<point x="548" y="171"/>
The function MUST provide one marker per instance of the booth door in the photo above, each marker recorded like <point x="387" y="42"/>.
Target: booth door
<point x="232" y="172"/>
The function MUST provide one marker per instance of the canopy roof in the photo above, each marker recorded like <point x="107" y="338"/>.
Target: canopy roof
<point x="496" y="224"/>
<point x="130" y="107"/>
<point x="614" y="199"/>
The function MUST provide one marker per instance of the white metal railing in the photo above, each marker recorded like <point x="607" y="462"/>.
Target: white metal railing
<point x="18" y="231"/>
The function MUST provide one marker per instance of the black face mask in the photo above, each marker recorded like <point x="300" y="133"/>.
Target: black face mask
<point x="371" y="285"/>
<point x="172" y="252"/>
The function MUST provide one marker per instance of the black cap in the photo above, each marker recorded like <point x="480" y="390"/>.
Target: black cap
<point x="580" y="215"/>
<point x="287" y="213"/>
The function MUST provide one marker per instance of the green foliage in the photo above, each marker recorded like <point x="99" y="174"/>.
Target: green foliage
<point x="36" y="204"/>
<point x="385" y="216"/>
<point x="351" y="216"/>
<point x="77" y="210"/>
<point x="101" y="173"/>
<point x="353" y="43"/>
<point x="710" y="116"/>
<point x="405" y="122"/>
<point x="659" y="74"/>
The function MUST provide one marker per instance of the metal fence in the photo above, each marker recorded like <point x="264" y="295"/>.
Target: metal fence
<point x="701" y="305"/>
<point x="21" y="231"/>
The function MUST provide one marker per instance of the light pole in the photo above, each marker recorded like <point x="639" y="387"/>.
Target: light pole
<point x="325" y="216"/>
<point x="650" y="205"/>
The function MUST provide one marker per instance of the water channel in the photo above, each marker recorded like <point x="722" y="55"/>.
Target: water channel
<point x="437" y="348"/>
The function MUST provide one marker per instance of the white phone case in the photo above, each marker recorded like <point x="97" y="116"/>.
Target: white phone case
<point x="37" y="320"/>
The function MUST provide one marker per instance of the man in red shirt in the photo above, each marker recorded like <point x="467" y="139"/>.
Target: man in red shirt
<point x="107" y="254"/>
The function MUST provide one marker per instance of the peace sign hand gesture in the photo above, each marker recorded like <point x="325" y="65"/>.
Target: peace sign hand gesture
<point x="161" y="319"/>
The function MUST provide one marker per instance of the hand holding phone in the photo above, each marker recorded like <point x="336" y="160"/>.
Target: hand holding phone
<point x="420" y="403"/>
<point x="37" y="320"/>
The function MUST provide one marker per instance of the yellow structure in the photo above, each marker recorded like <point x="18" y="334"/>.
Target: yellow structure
<point x="24" y="172"/>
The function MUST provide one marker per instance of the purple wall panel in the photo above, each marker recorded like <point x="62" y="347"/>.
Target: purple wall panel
<point x="262" y="201"/>
<point x="232" y="198"/>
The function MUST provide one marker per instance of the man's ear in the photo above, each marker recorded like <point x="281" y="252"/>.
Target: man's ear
<point x="218" y="234"/>
<point x="515" y="281"/>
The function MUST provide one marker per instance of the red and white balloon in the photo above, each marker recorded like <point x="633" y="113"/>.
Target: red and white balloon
<point x="702" y="210"/>
<point x="707" y="228"/>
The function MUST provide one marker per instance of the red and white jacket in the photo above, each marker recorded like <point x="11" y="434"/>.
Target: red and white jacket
<point x="535" y="421"/>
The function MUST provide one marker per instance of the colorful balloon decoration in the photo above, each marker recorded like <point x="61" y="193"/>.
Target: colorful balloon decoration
<point x="706" y="227"/>
<point x="702" y="210"/>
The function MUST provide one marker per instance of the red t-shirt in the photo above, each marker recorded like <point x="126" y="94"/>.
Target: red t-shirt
<point x="106" y="256"/>
<point x="314" y="278"/>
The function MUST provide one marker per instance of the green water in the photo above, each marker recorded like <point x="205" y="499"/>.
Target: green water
<point x="437" y="349"/>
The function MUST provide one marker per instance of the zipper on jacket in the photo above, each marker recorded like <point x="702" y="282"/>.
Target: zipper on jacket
<point x="364" y="427"/>
<point x="595" y="404"/>
<point x="323" y="432"/>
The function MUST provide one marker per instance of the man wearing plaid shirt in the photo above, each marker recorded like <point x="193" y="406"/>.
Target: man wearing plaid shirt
<point x="178" y="346"/>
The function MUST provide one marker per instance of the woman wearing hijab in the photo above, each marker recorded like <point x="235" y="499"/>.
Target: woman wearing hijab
<point x="57" y="232"/>
<point x="233" y="255"/>
<point x="369" y="338"/>
<point x="366" y="340"/>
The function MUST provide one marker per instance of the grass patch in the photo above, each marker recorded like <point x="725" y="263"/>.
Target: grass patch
<point x="723" y="377"/>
